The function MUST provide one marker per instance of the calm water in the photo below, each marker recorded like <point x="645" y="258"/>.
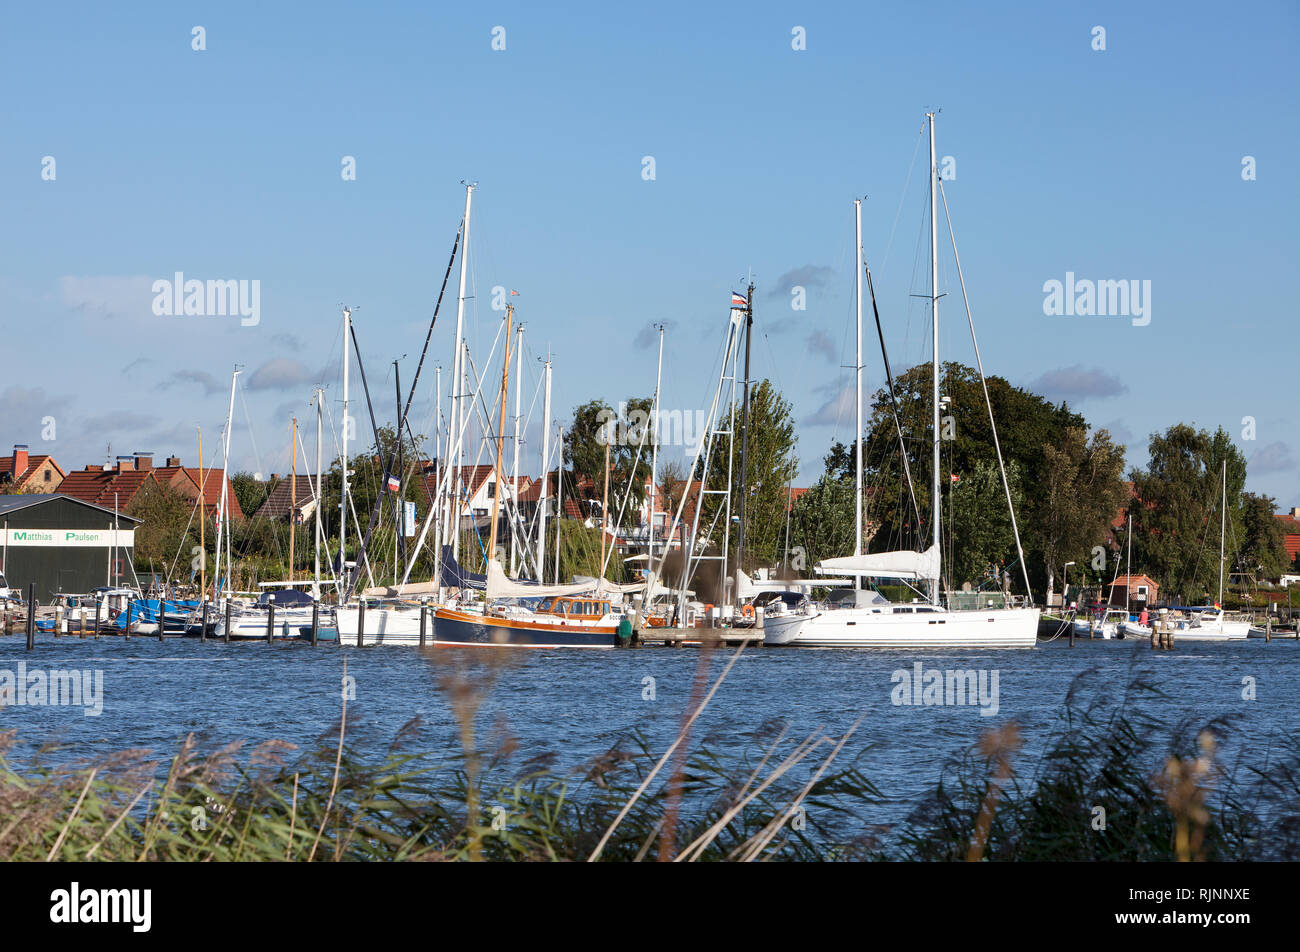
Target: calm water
<point x="576" y="703"/>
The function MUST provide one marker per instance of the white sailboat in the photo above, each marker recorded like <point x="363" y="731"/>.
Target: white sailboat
<point x="860" y="619"/>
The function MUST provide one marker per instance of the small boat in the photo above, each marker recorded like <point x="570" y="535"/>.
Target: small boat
<point x="249" y="623"/>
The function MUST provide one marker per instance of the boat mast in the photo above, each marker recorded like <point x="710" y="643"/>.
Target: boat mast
<point x="1128" y="564"/>
<point x="654" y="470"/>
<point x="857" y="452"/>
<point x="514" y="469"/>
<point x="934" y="394"/>
<point x="293" y="488"/>
<point x="546" y="457"/>
<point x="343" y="453"/>
<point x="559" y="502"/>
<point x="435" y="501"/>
<point x="1223" y="526"/>
<point x="223" y="521"/>
<point x="319" y="495"/>
<point x="458" y="401"/>
<point x="501" y="437"/>
<point x="203" y="518"/>
<point x="744" y="448"/>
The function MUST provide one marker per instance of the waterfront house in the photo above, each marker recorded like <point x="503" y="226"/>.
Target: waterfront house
<point x="26" y="473"/>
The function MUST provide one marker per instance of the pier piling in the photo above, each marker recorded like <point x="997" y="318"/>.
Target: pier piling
<point x="315" y="623"/>
<point x="203" y="622"/>
<point x="97" y="608"/>
<point x="270" y="622"/>
<point x="424" y="620"/>
<point x="227" y="621"/>
<point x="361" y="622"/>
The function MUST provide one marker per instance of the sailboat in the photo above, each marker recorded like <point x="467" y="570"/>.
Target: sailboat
<point x="865" y="619"/>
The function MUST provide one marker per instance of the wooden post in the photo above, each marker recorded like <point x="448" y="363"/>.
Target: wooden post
<point x="1268" y="629"/>
<point x="58" y="620"/>
<point x="315" y="623"/>
<point x="203" y="622"/>
<point x="126" y="628"/>
<point x="81" y="623"/>
<point x="1155" y="628"/>
<point x="361" y="622"/>
<point x="97" y="607"/>
<point x="227" y="621"/>
<point x="270" y="622"/>
<point x="31" y="615"/>
<point x="424" y="616"/>
<point x="162" y="601"/>
<point x="1092" y="627"/>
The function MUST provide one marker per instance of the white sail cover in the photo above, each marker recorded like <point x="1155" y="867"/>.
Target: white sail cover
<point x="902" y="564"/>
<point x="499" y="585"/>
<point x="396" y="591"/>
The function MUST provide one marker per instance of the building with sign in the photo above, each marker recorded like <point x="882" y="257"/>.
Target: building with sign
<point x="64" y="544"/>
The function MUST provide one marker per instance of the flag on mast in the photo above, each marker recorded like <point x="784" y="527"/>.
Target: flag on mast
<point x="739" y="300"/>
<point x="394" y="484"/>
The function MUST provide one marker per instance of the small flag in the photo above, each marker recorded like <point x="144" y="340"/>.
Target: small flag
<point x="738" y="300"/>
<point x="956" y="478"/>
<point x="394" y="484"/>
<point x="514" y="293"/>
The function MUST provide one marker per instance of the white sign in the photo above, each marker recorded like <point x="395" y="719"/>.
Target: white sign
<point x="71" y="538"/>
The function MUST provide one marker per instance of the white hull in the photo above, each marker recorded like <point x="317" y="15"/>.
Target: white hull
<point x="384" y="626"/>
<point x="870" y="628"/>
<point x="1106" y="630"/>
<point x="253" y="626"/>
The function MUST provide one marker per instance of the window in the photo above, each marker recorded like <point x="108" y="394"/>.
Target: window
<point x="1142" y="591"/>
<point x="47" y="475"/>
<point x="491" y="490"/>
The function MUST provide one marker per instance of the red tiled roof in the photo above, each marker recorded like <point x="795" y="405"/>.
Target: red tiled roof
<point x="1291" y="526"/>
<point x="109" y="488"/>
<point x="285" y="495"/>
<point x="34" y="463"/>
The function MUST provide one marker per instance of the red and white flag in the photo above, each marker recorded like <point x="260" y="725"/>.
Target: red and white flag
<point x="394" y="484"/>
<point x="739" y="300"/>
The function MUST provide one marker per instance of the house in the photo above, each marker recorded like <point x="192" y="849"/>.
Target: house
<point x="1141" y="590"/>
<point x="475" y="487"/>
<point x="1291" y="526"/>
<point x="291" y="493"/>
<point x="115" y="486"/>
<point x="24" y="473"/>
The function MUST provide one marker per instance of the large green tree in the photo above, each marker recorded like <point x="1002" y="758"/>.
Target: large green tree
<point x="1263" y="540"/>
<point x="627" y="433"/>
<point x="1083" y="489"/>
<point x="1176" y="515"/>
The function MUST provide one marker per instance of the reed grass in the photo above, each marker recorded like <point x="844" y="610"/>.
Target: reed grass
<point x="1166" y="791"/>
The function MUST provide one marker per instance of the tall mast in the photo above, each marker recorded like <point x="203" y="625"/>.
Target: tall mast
<point x="546" y="457"/>
<point x="223" y="523"/>
<point x="436" y="500"/>
<point x="934" y="309"/>
<point x="343" y="453"/>
<point x="857" y="363"/>
<point x="1223" y="525"/>
<point x="654" y="468"/>
<point x="744" y="447"/>
<point x="514" y="469"/>
<point x="203" y="518"/>
<point x="458" y="410"/>
<point x="501" y="437"/>
<point x="319" y="494"/>
<point x="604" y="507"/>
<point x="1128" y="564"/>
<point x="293" y="488"/>
<point x="559" y="504"/>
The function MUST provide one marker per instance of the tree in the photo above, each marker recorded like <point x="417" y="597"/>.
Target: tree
<point x="769" y="469"/>
<point x="821" y="523"/>
<point x="982" y="541"/>
<point x="170" y="528"/>
<point x="628" y="435"/>
<point x="250" y="491"/>
<point x="1263" y="540"/>
<point x="1072" y="509"/>
<point x="1179" y="493"/>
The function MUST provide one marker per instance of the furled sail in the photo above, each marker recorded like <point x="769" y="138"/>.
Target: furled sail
<point x="901" y="564"/>
<point x="499" y="585"/>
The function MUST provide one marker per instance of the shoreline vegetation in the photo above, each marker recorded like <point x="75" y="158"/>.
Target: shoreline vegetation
<point x="1110" y="783"/>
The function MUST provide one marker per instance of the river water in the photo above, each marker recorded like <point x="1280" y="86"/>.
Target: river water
<point x="577" y="703"/>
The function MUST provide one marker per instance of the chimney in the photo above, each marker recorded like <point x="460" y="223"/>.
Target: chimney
<point x="144" y="461"/>
<point x="125" y="463"/>
<point x="1295" y="510"/>
<point x="173" y="461"/>
<point x="20" y="460"/>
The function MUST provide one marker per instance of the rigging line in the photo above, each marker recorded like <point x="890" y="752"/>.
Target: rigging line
<point x="893" y="399"/>
<point x="436" y="308"/>
<point x="915" y="151"/>
<point x="997" y="446"/>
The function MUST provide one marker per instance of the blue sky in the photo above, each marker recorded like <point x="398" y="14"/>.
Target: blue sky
<point x="225" y="164"/>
